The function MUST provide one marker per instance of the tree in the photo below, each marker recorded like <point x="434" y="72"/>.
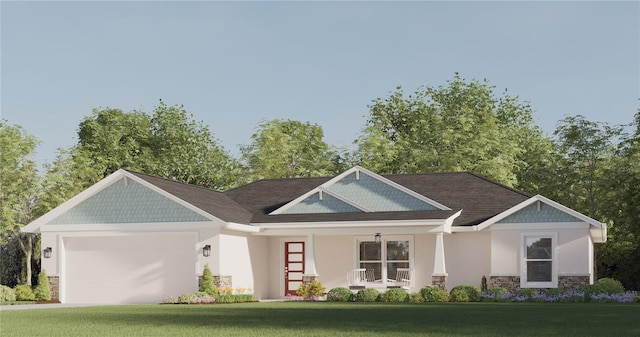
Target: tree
<point x="167" y="143"/>
<point x="620" y="255"/>
<point x="457" y="127"/>
<point x="19" y="183"/>
<point x="585" y="151"/>
<point x="289" y="149"/>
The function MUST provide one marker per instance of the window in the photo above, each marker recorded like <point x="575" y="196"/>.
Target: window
<point x="539" y="261"/>
<point x="384" y="258"/>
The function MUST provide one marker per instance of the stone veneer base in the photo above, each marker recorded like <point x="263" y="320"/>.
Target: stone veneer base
<point x="512" y="283"/>
<point x="440" y="282"/>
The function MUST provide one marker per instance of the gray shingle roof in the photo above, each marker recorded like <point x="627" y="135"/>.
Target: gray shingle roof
<point x="478" y="198"/>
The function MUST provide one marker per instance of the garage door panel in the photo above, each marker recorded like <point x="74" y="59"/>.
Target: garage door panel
<point x="129" y="269"/>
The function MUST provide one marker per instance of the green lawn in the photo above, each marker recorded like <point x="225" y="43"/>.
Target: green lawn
<point x="329" y="319"/>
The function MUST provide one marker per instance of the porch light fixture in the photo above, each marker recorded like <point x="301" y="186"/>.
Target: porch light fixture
<point x="206" y="250"/>
<point x="47" y="252"/>
<point x="377" y="237"/>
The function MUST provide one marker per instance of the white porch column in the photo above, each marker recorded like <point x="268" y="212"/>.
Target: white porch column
<point x="310" y="257"/>
<point x="438" y="265"/>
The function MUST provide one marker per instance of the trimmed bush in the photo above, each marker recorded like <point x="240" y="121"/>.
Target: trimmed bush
<point x="604" y="286"/>
<point x="206" y="284"/>
<point x="311" y="290"/>
<point x="24" y="293"/>
<point x="7" y="294"/>
<point x="473" y="293"/>
<point x="339" y="295"/>
<point x="394" y="295"/>
<point x="434" y="294"/>
<point x="458" y="295"/>
<point x="42" y="291"/>
<point x="415" y="298"/>
<point x="529" y="292"/>
<point x="367" y="295"/>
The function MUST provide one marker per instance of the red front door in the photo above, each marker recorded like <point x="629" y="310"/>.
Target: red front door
<point x="293" y="266"/>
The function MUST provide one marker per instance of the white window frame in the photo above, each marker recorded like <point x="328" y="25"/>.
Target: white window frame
<point x="383" y="242"/>
<point x="554" y="260"/>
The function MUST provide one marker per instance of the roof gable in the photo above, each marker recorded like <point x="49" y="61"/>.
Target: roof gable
<point x="539" y="212"/>
<point x="360" y="190"/>
<point x="127" y="201"/>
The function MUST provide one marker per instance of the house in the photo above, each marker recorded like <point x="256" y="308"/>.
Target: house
<point x="135" y="238"/>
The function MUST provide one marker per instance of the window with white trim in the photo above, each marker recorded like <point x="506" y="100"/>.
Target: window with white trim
<point x="539" y="261"/>
<point x="383" y="259"/>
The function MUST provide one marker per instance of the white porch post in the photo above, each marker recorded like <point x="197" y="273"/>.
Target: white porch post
<point x="439" y="276"/>
<point x="310" y="258"/>
<point x="439" y="265"/>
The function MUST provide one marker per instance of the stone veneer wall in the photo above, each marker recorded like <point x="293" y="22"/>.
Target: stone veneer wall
<point x="440" y="282"/>
<point x="54" y="286"/>
<point x="512" y="283"/>
<point x="219" y="281"/>
<point x="309" y="278"/>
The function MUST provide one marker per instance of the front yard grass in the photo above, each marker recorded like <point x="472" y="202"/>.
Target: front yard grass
<point x="329" y="319"/>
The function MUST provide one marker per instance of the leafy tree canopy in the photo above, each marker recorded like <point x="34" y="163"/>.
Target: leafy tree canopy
<point x="461" y="126"/>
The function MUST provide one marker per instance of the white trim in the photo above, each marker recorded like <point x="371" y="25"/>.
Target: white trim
<point x="538" y="226"/>
<point x="358" y="170"/>
<point x="343" y="199"/>
<point x="351" y="231"/>
<point x="242" y="228"/>
<point x="129" y="227"/>
<point x="36" y="225"/>
<point x="347" y="224"/>
<point x="554" y="260"/>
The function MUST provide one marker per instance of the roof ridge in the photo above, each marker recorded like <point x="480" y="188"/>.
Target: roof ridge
<point x="174" y="181"/>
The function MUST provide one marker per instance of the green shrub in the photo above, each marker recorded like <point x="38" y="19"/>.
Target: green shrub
<point x="458" y="295"/>
<point x="7" y="294"/>
<point x="394" y="295"/>
<point x="206" y="284"/>
<point x="42" y="291"/>
<point x="339" y="295"/>
<point x="24" y="293"/>
<point x="367" y="295"/>
<point x="311" y="290"/>
<point x="530" y="292"/>
<point x="604" y="286"/>
<point x="555" y="292"/>
<point x="434" y="294"/>
<point x="473" y="293"/>
<point x="235" y="298"/>
<point x="415" y="298"/>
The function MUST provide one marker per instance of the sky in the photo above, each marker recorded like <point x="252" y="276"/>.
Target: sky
<point x="233" y="65"/>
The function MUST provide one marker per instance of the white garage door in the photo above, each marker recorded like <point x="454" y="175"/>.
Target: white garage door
<point x="129" y="269"/>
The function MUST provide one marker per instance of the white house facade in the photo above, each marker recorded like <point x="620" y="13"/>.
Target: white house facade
<point x="135" y="238"/>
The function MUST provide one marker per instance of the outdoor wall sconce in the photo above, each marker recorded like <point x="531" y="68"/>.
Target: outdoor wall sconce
<point x="378" y="238"/>
<point x="47" y="252"/>
<point x="206" y="250"/>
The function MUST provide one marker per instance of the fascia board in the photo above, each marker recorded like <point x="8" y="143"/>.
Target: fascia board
<point x="242" y="227"/>
<point x="352" y="224"/>
<point x="129" y="227"/>
<point x="397" y="230"/>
